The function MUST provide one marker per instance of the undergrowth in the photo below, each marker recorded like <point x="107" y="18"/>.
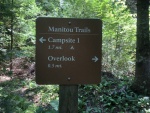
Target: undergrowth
<point x="112" y="95"/>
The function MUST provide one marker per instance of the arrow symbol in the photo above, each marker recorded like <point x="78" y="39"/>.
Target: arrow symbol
<point x="42" y="39"/>
<point x="95" y="59"/>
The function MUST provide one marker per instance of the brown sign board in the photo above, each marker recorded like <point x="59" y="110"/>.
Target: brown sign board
<point x="68" y="51"/>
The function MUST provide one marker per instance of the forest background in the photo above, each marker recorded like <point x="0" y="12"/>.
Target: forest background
<point x="17" y="50"/>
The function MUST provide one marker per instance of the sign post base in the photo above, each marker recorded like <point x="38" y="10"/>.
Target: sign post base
<point x="68" y="99"/>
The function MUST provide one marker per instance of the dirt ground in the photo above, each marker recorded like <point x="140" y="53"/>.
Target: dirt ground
<point x="21" y="68"/>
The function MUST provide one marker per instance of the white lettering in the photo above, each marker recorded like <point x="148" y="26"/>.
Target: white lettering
<point x="55" y="66"/>
<point x="59" y="29"/>
<point x="83" y="30"/>
<point x="69" y="30"/>
<point x="61" y="40"/>
<point x="62" y="58"/>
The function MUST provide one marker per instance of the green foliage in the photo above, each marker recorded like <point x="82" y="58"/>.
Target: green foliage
<point x="19" y="96"/>
<point x="118" y="36"/>
<point x="49" y="8"/>
<point x="112" y="95"/>
<point x="54" y="104"/>
<point x="77" y="9"/>
<point x="4" y="71"/>
<point x="18" y="17"/>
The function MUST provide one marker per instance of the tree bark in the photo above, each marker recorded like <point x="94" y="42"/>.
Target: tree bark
<point x="12" y="40"/>
<point x="142" y="68"/>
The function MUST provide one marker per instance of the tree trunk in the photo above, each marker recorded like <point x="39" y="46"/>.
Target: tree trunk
<point x="11" y="40"/>
<point x="142" y="69"/>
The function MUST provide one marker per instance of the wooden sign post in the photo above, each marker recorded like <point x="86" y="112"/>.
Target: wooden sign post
<point x="68" y="53"/>
<point x="68" y="99"/>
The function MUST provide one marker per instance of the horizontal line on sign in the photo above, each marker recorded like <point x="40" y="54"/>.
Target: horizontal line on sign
<point x="67" y="34"/>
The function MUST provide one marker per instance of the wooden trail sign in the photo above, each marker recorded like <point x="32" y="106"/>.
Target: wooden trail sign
<point x="68" y="51"/>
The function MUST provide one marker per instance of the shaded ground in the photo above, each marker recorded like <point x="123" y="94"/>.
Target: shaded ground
<point x="4" y="78"/>
<point x="21" y="68"/>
